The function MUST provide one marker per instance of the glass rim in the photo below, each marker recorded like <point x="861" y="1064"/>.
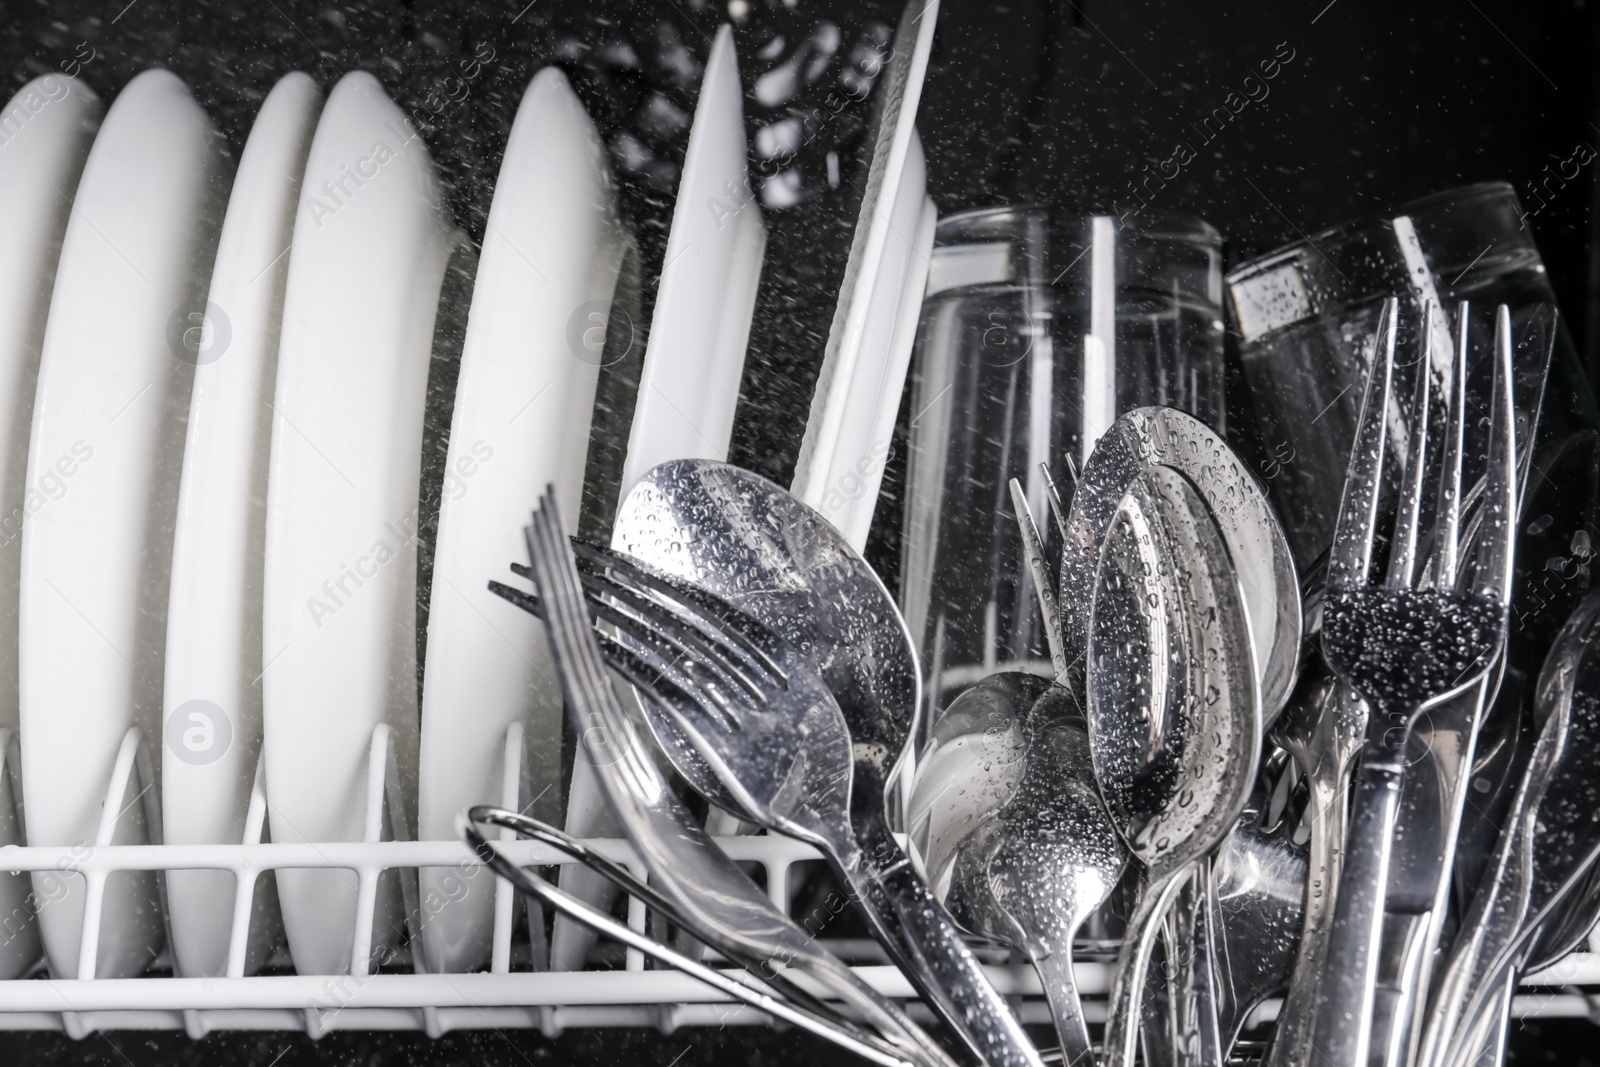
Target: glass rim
<point x="1166" y="224"/>
<point x="1451" y="197"/>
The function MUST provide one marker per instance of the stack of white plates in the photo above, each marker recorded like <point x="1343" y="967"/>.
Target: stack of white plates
<point x="211" y="433"/>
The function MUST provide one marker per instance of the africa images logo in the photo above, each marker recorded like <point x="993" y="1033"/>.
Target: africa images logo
<point x="198" y="732"/>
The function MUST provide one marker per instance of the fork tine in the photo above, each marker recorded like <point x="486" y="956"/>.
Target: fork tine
<point x="646" y="621"/>
<point x="739" y="626"/>
<point x="1351" y="552"/>
<point x="1447" y="526"/>
<point x="654" y="674"/>
<point x="1053" y="495"/>
<point x="710" y="645"/>
<point x="1492" y="576"/>
<point x="1403" y="546"/>
<point x="1043" y="580"/>
<point x="674" y="654"/>
<point x="720" y="648"/>
<point x="585" y="683"/>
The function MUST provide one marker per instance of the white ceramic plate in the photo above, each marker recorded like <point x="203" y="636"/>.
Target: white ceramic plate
<point x="540" y="304"/>
<point x="689" y="385"/>
<point x="834" y="449"/>
<point x="40" y="161"/>
<point x="105" y="454"/>
<point x="860" y="448"/>
<point x="339" y="650"/>
<point x="211" y="705"/>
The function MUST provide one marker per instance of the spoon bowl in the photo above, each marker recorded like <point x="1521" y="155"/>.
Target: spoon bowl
<point x="1014" y="834"/>
<point x="1245" y="521"/>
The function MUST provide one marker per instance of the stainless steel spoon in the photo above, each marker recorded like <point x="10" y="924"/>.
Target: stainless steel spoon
<point x="1271" y="593"/>
<point x="1322" y="729"/>
<point x="818" y="762"/>
<point x="1174" y="710"/>
<point x="1259" y="882"/>
<point x="1013" y="833"/>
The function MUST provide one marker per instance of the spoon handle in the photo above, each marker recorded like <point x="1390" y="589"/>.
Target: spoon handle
<point x="1133" y="962"/>
<point x="1492" y="1047"/>
<point x="1061" y="989"/>
<point x="911" y="922"/>
<point x="1481" y="1041"/>
<point x="1497" y="914"/>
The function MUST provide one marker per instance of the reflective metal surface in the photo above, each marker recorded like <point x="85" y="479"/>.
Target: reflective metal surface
<point x="1248" y="527"/>
<point x="685" y="867"/>
<point x="851" y="705"/>
<point x="1549" y="844"/>
<point x="1252" y="533"/>
<point x="1259" y="887"/>
<point x="1407" y="645"/>
<point x="1174" y="711"/>
<point x="527" y="881"/>
<point x="1013" y="833"/>
<point x="1322" y="729"/>
<point x="1237" y="946"/>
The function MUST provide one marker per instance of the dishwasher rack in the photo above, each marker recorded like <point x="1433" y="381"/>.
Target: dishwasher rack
<point x="439" y="1003"/>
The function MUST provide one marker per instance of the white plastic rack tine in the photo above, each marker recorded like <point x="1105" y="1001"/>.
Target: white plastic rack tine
<point x="400" y="829"/>
<point x="504" y="894"/>
<point x="132" y="757"/>
<point x="255" y="818"/>
<point x="516" y="795"/>
<point x="778" y="883"/>
<point x="383" y="783"/>
<point x="367" y="875"/>
<point x="11" y="756"/>
<point x="638" y="916"/>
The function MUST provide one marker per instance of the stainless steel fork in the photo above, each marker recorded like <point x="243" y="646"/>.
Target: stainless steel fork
<point x="704" y="888"/>
<point x="788" y="768"/>
<point x="1405" y="644"/>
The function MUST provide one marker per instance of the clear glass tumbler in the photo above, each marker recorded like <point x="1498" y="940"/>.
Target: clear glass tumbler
<point x="1038" y="329"/>
<point x="1305" y="317"/>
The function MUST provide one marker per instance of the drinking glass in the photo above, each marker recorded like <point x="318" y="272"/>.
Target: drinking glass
<point x="1038" y="329"/>
<point x="1305" y="317"/>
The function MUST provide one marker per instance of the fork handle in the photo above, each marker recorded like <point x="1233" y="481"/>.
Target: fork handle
<point x="1341" y="1027"/>
<point x="911" y="922"/>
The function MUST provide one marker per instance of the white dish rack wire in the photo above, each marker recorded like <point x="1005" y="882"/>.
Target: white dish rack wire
<point x="500" y="998"/>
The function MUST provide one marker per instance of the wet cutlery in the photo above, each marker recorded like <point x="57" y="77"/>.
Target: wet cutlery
<point x="685" y="867"/>
<point x="527" y="881"/>
<point x="1406" y="645"/>
<point x="1549" y="842"/>
<point x="815" y="760"/>
<point x="1174" y="711"/>
<point x="1015" y="837"/>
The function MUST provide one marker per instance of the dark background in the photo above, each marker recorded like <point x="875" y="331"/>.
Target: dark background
<point x="1066" y="103"/>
